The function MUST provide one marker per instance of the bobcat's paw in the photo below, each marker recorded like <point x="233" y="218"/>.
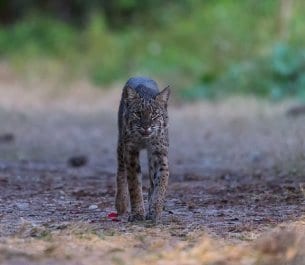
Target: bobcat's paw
<point x="136" y="217"/>
<point x="152" y="216"/>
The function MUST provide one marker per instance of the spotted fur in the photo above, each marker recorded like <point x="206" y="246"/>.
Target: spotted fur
<point x="143" y="124"/>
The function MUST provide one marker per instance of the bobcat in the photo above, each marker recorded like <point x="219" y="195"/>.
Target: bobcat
<point x="143" y="124"/>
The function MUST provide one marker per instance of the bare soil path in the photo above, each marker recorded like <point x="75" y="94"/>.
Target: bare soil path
<point x="237" y="171"/>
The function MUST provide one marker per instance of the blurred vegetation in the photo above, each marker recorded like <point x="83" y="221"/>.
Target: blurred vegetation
<point x="205" y="49"/>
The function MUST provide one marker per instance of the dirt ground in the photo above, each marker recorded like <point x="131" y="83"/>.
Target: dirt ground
<point x="236" y="192"/>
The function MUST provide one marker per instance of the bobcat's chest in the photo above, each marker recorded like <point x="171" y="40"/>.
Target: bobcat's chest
<point x="141" y="142"/>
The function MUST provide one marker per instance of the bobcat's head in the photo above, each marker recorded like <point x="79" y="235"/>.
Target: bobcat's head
<point x="146" y="114"/>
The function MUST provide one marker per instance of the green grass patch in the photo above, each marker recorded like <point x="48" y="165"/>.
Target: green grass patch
<point x="205" y="50"/>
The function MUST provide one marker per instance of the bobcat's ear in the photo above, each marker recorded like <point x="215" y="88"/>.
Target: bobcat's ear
<point x="163" y="96"/>
<point x="130" y="93"/>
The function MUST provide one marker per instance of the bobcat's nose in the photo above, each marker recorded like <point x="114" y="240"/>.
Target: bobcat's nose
<point x="146" y="131"/>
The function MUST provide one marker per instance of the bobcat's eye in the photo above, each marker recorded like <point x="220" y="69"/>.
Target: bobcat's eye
<point x="155" y="117"/>
<point x="137" y="115"/>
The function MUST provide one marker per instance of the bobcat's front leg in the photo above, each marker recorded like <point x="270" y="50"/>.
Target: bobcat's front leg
<point x="160" y="173"/>
<point x="121" y="197"/>
<point x="152" y="174"/>
<point x="135" y="186"/>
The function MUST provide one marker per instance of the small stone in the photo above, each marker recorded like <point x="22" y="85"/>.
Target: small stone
<point x="93" y="207"/>
<point x="256" y="157"/>
<point x="7" y="138"/>
<point x="296" y="111"/>
<point x="23" y="206"/>
<point x="78" y="161"/>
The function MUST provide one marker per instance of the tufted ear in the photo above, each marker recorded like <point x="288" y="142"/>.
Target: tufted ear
<point x="130" y="93"/>
<point x="163" y="96"/>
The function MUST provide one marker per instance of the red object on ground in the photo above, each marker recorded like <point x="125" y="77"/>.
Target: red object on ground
<point x="113" y="217"/>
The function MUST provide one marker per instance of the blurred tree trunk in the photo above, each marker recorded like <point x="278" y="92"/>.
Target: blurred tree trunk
<point x="284" y="18"/>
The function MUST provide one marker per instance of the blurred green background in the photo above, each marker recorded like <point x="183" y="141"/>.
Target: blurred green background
<point x="205" y="49"/>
